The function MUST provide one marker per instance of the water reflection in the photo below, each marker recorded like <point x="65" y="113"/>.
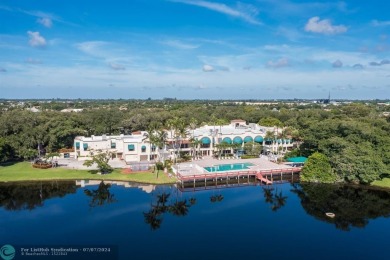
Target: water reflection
<point x="274" y="197"/>
<point x="163" y="205"/>
<point x="30" y="195"/>
<point x="101" y="195"/>
<point x="352" y="206"/>
<point x="216" y="198"/>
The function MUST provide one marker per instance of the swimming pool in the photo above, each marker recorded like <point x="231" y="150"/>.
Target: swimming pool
<point x="228" y="167"/>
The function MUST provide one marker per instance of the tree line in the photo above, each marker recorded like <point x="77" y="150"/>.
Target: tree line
<point x="354" y="138"/>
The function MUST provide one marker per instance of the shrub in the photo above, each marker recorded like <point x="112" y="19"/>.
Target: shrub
<point x="159" y="166"/>
<point x="317" y="169"/>
<point x="42" y="165"/>
<point x="247" y="156"/>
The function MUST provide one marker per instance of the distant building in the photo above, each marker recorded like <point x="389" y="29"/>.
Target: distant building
<point x="137" y="147"/>
<point x="68" y="110"/>
<point x="33" y="109"/>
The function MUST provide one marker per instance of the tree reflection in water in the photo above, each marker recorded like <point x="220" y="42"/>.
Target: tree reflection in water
<point x="352" y="206"/>
<point x="101" y="195"/>
<point x="275" y="198"/>
<point x="154" y="216"/>
<point x="30" y="195"/>
<point x="216" y="198"/>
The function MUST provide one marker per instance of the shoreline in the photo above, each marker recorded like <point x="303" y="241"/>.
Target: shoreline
<point x="22" y="171"/>
<point x="11" y="173"/>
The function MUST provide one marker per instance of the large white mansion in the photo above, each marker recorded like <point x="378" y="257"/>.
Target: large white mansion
<point x="137" y="147"/>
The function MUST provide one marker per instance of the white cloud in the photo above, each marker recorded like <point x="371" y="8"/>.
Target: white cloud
<point x="380" y="23"/>
<point x="33" y="61"/>
<point x="116" y="66"/>
<point x="180" y="45"/>
<point x="242" y="11"/>
<point x="208" y="68"/>
<point x="280" y="63"/>
<point x="92" y="48"/>
<point x="36" y="40"/>
<point x="337" y="64"/>
<point x="45" y="21"/>
<point x="325" y="26"/>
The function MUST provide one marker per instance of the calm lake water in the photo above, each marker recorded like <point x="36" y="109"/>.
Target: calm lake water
<point x="283" y="221"/>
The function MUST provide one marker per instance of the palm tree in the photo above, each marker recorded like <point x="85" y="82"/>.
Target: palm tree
<point x="195" y="144"/>
<point x="177" y="128"/>
<point x="157" y="137"/>
<point x="193" y="125"/>
<point x="182" y="134"/>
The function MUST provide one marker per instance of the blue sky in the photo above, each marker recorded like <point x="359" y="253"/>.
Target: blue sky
<point x="260" y="49"/>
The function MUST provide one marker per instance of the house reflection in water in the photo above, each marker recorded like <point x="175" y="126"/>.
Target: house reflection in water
<point x="144" y="187"/>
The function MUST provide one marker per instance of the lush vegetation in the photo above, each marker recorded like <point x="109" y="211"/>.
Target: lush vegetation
<point x="353" y="137"/>
<point x="353" y="206"/>
<point x="23" y="171"/>
<point x="318" y="169"/>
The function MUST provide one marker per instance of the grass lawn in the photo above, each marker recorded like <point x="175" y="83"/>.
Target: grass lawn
<point x="23" y="171"/>
<point x="385" y="183"/>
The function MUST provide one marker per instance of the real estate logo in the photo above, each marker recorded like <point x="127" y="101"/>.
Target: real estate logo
<point x="7" y="252"/>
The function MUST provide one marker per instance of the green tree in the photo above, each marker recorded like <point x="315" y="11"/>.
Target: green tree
<point x="318" y="169"/>
<point x="270" y="122"/>
<point x="101" y="159"/>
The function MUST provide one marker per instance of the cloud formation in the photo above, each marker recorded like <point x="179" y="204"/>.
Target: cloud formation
<point x="45" y="21"/>
<point x="280" y="63"/>
<point x="242" y="11"/>
<point x="383" y="62"/>
<point x="3" y="70"/>
<point x="33" y="61"/>
<point x="36" y="40"/>
<point x="116" y="66"/>
<point x="315" y="25"/>
<point x="208" y="68"/>
<point x="377" y="23"/>
<point x="358" y="66"/>
<point x="337" y="64"/>
<point x="180" y="45"/>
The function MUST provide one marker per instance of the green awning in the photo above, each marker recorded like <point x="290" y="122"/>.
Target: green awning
<point x="237" y="140"/>
<point x="297" y="159"/>
<point x="131" y="147"/>
<point x="259" y="139"/>
<point x="143" y="147"/>
<point x="248" y="139"/>
<point x="227" y="140"/>
<point x="279" y="141"/>
<point x="85" y="146"/>
<point x="77" y="145"/>
<point x="205" y="140"/>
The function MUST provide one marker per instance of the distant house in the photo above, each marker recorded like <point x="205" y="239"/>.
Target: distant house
<point x="137" y="147"/>
<point x="68" y="110"/>
<point x="33" y="109"/>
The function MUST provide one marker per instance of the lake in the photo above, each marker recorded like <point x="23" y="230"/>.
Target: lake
<point x="282" y="221"/>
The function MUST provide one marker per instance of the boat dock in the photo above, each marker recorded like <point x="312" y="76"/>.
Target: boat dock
<point x="236" y="178"/>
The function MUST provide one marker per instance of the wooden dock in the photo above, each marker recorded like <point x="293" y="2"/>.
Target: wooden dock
<point x="264" y="176"/>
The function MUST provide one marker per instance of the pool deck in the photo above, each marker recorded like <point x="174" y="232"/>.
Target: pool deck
<point x="261" y="166"/>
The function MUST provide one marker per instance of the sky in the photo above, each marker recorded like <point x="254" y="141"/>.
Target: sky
<point x="195" y="49"/>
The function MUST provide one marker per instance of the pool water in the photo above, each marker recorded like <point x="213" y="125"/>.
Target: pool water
<point x="228" y="167"/>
